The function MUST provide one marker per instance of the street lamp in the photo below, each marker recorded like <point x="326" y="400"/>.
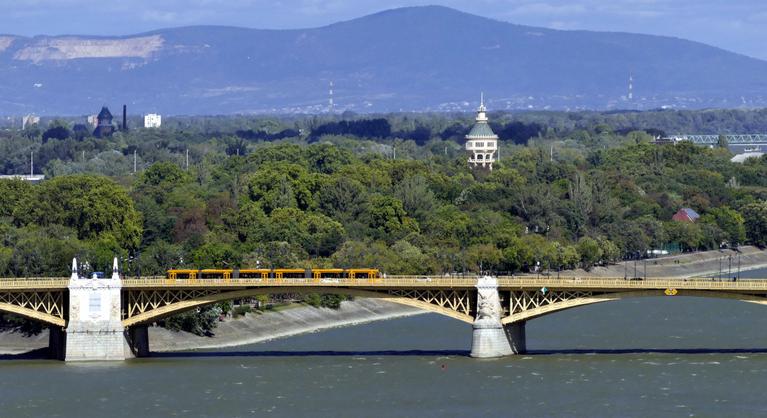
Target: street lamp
<point x="729" y="266"/>
<point x="645" y="268"/>
<point x="635" y="265"/>
<point x="625" y="267"/>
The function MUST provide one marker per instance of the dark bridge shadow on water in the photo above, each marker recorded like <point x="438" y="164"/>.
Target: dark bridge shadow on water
<point x="455" y="353"/>
<point x="608" y="351"/>
<point x="37" y="354"/>
<point x="320" y="353"/>
<point x="43" y="354"/>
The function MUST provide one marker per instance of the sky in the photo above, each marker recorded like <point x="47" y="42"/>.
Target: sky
<point x="736" y="25"/>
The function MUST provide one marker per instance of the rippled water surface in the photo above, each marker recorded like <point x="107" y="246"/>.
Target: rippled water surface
<point x="637" y="358"/>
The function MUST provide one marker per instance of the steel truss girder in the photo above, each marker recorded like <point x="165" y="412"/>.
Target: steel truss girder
<point x="43" y="305"/>
<point x="731" y="139"/>
<point x="143" y="301"/>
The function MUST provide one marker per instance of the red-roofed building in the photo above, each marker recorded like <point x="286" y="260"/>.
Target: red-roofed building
<point x="685" y="215"/>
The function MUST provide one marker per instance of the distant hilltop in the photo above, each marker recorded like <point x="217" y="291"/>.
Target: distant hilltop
<point x="417" y="58"/>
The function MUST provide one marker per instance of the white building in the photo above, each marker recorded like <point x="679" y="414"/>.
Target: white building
<point x="481" y="142"/>
<point x="29" y="120"/>
<point x="152" y="120"/>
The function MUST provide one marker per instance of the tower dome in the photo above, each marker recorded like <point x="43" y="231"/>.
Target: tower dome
<point x="481" y="142"/>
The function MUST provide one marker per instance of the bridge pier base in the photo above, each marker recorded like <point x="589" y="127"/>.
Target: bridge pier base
<point x="137" y="341"/>
<point x="489" y="340"/>
<point x="57" y="340"/>
<point x="95" y="330"/>
<point x="515" y="333"/>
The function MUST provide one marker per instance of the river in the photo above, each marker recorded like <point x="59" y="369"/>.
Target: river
<point x="669" y="356"/>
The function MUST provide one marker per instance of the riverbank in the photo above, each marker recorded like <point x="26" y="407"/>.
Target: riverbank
<point x="699" y="264"/>
<point x="248" y="329"/>
<point x="259" y="327"/>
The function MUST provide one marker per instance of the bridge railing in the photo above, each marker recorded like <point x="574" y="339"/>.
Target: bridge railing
<point x="628" y="283"/>
<point x="34" y="283"/>
<point x="521" y="282"/>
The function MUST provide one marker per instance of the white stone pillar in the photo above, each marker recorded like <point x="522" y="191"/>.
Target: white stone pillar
<point x="488" y="335"/>
<point x="94" y="331"/>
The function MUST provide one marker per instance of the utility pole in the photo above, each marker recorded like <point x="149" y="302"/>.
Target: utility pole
<point x="187" y="158"/>
<point x="135" y="156"/>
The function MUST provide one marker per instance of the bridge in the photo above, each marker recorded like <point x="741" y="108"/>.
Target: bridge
<point x="107" y="319"/>
<point x="743" y="139"/>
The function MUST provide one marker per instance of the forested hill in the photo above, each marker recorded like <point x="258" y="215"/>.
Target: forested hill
<point x="420" y="58"/>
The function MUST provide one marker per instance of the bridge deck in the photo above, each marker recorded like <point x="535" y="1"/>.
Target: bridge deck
<point x="504" y="282"/>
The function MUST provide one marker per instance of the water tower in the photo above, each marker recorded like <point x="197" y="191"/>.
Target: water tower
<point x="481" y="142"/>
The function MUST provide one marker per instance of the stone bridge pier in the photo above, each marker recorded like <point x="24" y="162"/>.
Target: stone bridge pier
<point x="94" y="331"/>
<point x="490" y="338"/>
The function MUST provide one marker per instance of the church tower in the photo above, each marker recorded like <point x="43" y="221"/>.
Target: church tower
<point x="481" y="142"/>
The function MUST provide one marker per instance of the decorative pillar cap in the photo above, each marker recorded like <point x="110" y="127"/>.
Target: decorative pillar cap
<point x="74" y="276"/>
<point x="115" y="270"/>
<point x="487" y="282"/>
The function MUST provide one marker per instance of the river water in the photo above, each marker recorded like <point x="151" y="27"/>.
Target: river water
<point x="670" y="356"/>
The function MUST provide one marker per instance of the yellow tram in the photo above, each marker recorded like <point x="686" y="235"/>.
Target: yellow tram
<point x="278" y="274"/>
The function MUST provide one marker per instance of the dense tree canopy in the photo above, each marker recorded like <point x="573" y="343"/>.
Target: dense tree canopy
<point x="571" y="190"/>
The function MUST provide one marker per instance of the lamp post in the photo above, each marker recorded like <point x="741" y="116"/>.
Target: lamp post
<point x="645" y="269"/>
<point x="635" y="266"/>
<point x="729" y="266"/>
<point x="738" y="265"/>
<point x="625" y="267"/>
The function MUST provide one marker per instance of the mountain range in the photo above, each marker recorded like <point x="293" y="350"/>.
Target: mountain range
<point x="417" y="58"/>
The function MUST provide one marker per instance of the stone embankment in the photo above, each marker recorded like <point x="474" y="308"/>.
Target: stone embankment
<point x="249" y="329"/>
<point x="254" y="328"/>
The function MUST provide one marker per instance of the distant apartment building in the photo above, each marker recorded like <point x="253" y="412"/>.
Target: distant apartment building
<point x="93" y="120"/>
<point x="152" y="120"/>
<point x="29" y="120"/>
<point x="481" y="142"/>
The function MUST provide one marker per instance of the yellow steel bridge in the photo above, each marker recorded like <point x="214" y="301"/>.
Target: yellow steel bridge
<point x="147" y="299"/>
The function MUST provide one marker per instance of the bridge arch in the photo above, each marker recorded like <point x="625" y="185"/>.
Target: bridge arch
<point x="575" y="302"/>
<point x="30" y="313"/>
<point x="179" y="306"/>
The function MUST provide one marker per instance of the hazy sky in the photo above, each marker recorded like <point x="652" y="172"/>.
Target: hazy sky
<point x="736" y="25"/>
